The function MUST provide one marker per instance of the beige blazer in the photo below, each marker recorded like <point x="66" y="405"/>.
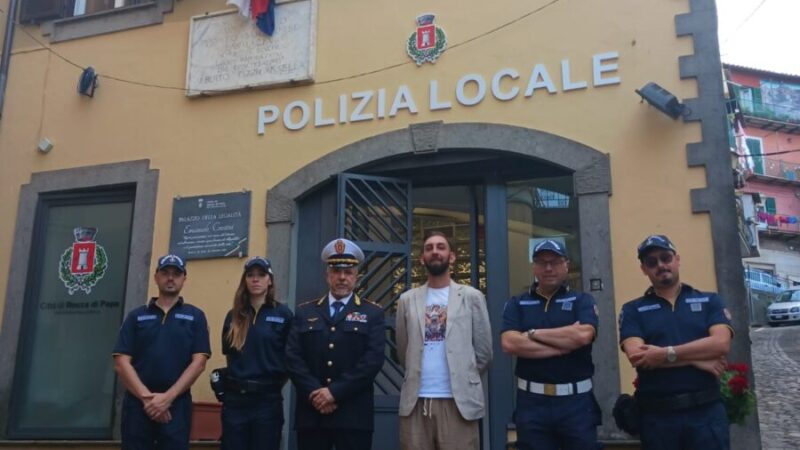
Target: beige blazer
<point x="468" y="341"/>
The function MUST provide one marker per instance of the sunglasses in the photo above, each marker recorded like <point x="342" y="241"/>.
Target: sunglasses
<point x="651" y="262"/>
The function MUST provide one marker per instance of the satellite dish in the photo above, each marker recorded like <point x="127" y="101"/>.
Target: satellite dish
<point x="87" y="82"/>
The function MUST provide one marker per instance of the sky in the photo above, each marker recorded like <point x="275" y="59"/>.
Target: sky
<point x="758" y="33"/>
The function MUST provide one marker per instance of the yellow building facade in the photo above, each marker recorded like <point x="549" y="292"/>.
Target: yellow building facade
<point x="526" y="127"/>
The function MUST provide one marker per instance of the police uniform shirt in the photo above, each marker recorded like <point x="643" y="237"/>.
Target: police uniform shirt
<point x="656" y="321"/>
<point x="263" y="356"/>
<point x="531" y="310"/>
<point x="161" y="344"/>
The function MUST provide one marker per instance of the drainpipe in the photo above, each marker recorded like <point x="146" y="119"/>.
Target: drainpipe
<point x="6" y="57"/>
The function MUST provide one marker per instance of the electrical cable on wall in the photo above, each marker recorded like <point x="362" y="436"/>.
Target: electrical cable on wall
<point x="334" y="80"/>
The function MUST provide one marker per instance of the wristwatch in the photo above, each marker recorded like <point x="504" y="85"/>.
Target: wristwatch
<point x="672" y="355"/>
<point x="530" y="333"/>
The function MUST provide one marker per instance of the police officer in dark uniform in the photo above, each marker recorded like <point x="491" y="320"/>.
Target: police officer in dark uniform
<point x="335" y="350"/>
<point x="677" y="338"/>
<point x="254" y="339"/>
<point x="550" y="329"/>
<point x="161" y="349"/>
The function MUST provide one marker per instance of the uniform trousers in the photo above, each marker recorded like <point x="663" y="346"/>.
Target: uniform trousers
<point x="252" y="422"/>
<point x="330" y="438"/>
<point x="436" y="424"/>
<point x="141" y="433"/>
<point x="699" y="428"/>
<point x="566" y="422"/>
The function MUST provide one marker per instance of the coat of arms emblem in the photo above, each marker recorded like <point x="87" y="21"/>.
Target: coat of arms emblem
<point x="427" y="42"/>
<point x="84" y="263"/>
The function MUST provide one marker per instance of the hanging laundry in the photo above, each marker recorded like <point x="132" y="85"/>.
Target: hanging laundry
<point x="772" y="220"/>
<point x="762" y="216"/>
<point x="782" y="218"/>
<point x="792" y="219"/>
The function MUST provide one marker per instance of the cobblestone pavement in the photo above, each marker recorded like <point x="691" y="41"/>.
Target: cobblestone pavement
<point x="776" y="363"/>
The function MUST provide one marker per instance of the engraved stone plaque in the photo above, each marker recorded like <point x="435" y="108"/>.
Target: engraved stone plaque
<point x="227" y="52"/>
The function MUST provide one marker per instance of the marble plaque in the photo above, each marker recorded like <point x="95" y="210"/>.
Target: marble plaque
<point x="227" y="52"/>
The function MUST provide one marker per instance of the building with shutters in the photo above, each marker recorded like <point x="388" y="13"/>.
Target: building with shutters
<point x="765" y="133"/>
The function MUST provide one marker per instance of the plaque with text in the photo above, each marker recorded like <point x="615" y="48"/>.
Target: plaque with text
<point x="211" y="226"/>
<point x="227" y="52"/>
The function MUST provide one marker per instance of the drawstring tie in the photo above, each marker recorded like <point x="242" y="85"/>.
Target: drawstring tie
<point x="427" y="409"/>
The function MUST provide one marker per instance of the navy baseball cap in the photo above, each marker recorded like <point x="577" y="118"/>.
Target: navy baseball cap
<point x="171" y="261"/>
<point x="550" y="245"/>
<point x="655" y="241"/>
<point x="258" y="261"/>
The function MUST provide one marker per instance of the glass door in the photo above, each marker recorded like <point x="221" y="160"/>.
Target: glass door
<point x="64" y="383"/>
<point x="456" y="211"/>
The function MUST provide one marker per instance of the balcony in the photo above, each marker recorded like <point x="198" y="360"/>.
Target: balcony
<point x="773" y="107"/>
<point x="783" y="226"/>
<point x="773" y="171"/>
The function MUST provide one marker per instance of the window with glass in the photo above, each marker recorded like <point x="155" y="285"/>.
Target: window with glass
<point x="538" y="209"/>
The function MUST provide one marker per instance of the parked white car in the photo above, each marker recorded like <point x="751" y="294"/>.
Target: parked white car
<point x="785" y="308"/>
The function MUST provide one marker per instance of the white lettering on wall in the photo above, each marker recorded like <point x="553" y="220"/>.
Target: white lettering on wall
<point x="358" y="112"/>
<point x="471" y="89"/>
<point x="461" y="96"/>
<point x="403" y="100"/>
<point x="598" y="68"/>
<point x="435" y="103"/>
<point x="287" y="116"/>
<point x="540" y="79"/>
<point x="566" y="82"/>
<point x="499" y="94"/>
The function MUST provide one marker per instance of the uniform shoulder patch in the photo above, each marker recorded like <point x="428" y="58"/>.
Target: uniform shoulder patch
<point x="370" y="302"/>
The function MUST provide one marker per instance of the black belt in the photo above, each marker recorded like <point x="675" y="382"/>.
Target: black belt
<point x="677" y="402"/>
<point x="253" y="386"/>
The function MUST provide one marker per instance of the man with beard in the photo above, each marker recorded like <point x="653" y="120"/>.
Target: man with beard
<point x="333" y="354"/>
<point x="550" y="329"/>
<point x="161" y="350"/>
<point x="444" y="341"/>
<point x="677" y="338"/>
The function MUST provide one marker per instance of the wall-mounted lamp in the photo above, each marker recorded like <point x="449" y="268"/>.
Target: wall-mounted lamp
<point x="662" y="100"/>
<point x="87" y="82"/>
<point x="45" y="145"/>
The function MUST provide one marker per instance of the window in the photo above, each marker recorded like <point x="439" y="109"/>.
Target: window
<point x="73" y="19"/>
<point x="769" y="204"/>
<point x="38" y="10"/>
<point x="754" y="149"/>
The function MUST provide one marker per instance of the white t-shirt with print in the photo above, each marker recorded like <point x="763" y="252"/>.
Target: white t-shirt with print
<point x="435" y="376"/>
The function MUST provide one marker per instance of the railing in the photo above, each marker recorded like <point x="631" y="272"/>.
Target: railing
<point x="778" y="221"/>
<point x="776" y="168"/>
<point x="771" y="103"/>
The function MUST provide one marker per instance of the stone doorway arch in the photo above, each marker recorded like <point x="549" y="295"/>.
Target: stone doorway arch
<point x="592" y="186"/>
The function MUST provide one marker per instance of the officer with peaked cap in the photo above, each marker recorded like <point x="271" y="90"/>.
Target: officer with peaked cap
<point x="334" y="352"/>
<point x="550" y="329"/>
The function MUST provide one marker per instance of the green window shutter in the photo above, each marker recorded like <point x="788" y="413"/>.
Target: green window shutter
<point x="758" y="105"/>
<point x="754" y="147"/>
<point x="731" y="136"/>
<point x="769" y="204"/>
